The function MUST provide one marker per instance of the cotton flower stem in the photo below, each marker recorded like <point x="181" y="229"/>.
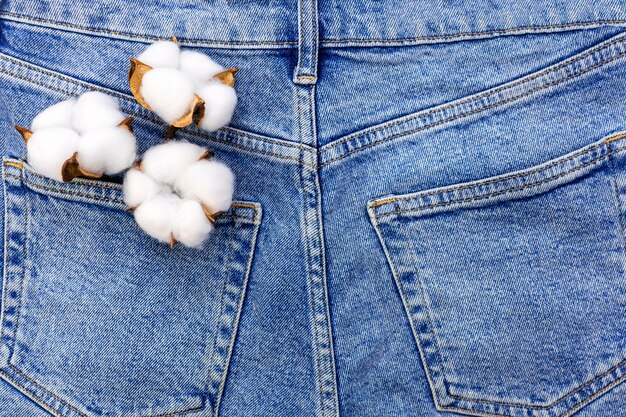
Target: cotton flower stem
<point x="25" y="132"/>
<point x="170" y="133"/>
<point x="208" y="154"/>
<point x="71" y="169"/>
<point x="172" y="241"/>
<point x="127" y="124"/>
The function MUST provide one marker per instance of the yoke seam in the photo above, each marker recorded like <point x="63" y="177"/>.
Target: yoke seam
<point x="487" y="93"/>
<point x="470" y="113"/>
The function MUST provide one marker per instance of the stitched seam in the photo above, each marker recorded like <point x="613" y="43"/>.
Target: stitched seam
<point x="618" y="201"/>
<point x="46" y="391"/>
<point x="41" y="187"/>
<point x="482" y="33"/>
<point x="41" y="402"/>
<point x="474" y="412"/>
<point x="25" y="255"/>
<point x="491" y="106"/>
<point x="212" y="366"/>
<point x="493" y="181"/>
<point x="234" y="145"/>
<point x="147" y="37"/>
<point x="486" y="196"/>
<point x="323" y="41"/>
<point x="119" y="95"/>
<point x="591" y="398"/>
<point x="488" y="93"/>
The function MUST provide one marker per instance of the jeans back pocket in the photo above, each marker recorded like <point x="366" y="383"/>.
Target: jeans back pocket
<point x="514" y="285"/>
<point x="98" y="319"/>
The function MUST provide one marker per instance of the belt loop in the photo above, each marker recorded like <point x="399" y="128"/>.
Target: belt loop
<point x="308" y="41"/>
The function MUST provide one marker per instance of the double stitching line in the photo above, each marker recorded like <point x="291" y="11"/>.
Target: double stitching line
<point x="473" y="99"/>
<point x="510" y="190"/>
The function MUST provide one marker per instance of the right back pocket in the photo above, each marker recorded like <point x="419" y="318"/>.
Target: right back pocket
<point x="514" y="285"/>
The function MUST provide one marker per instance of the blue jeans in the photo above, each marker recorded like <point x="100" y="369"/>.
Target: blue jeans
<point x="430" y="215"/>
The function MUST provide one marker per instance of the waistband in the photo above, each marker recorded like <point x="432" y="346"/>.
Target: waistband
<point x="274" y="23"/>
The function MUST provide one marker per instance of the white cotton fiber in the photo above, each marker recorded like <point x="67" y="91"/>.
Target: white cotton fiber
<point x="166" y="162"/>
<point x="220" y="102"/>
<point x="161" y="54"/>
<point x="57" y="115"/>
<point x="191" y="227"/>
<point x="139" y="187"/>
<point x="95" y="110"/>
<point x="208" y="181"/>
<point x="107" y="151"/>
<point x="156" y="215"/>
<point x="198" y="66"/>
<point x="168" y="92"/>
<point x="48" y="149"/>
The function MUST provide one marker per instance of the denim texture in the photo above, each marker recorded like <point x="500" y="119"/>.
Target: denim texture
<point x="430" y="216"/>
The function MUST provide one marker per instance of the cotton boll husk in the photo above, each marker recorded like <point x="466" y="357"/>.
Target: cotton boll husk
<point x="161" y="54"/>
<point x="156" y="215"/>
<point x="57" y="115"/>
<point x="95" y="110"/>
<point x="166" y="162"/>
<point x="110" y="150"/>
<point x="220" y="102"/>
<point x="208" y="181"/>
<point x="48" y="149"/>
<point x="138" y="187"/>
<point x="168" y="92"/>
<point x="198" y="66"/>
<point x="191" y="226"/>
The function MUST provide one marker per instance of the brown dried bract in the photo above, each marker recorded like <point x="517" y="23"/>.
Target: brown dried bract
<point x="196" y="108"/>
<point x="208" y="154"/>
<point x="211" y="216"/>
<point x="227" y="76"/>
<point x="135" y="74"/>
<point x="127" y="124"/>
<point x="25" y="132"/>
<point x="71" y="169"/>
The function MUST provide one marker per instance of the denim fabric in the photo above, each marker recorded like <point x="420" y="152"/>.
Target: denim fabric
<point x="430" y="216"/>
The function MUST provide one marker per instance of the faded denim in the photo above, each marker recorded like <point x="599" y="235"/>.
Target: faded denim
<point x="429" y="220"/>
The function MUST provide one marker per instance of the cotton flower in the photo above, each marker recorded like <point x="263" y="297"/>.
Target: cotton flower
<point x="87" y="137"/>
<point x="183" y="87"/>
<point x="177" y="191"/>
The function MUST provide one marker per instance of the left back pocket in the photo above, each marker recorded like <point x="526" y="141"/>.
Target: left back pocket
<point x="99" y="319"/>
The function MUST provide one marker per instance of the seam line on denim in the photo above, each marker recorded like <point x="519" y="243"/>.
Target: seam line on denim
<point x="323" y="42"/>
<point x="93" y="197"/>
<point x="137" y="36"/>
<point x="510" y="190"/>
<point x="38" y="400"/>
<point x="481" y="33"/>
<point x="559" y="161"/>
<point x="65" y="403"/>
<point x="618" y="200"/>
<point x="236" y="133"/>
<point x="218" y="326"/>
<point x="476" y="111"/>
<point x="577" y="407"/>
<point x="490" y="92"/>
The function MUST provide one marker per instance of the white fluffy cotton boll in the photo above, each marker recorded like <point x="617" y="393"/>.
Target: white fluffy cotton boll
<point x="48" y="149"/>
<point x="168" y="92"/>
<point x="210" y="182"/>
<point x="220" y="102"/>
<point x="156" y="216"/>
<point x="161" y="54"/>
<point x="198" y="66"/>
<point x="57" y="115"/>
<point x="95" y="110"/>
<point x="107" y="151"/>
<point x="166" y="162"/>
<point x="138" y="187"/>
<point x="191" y="227"/>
